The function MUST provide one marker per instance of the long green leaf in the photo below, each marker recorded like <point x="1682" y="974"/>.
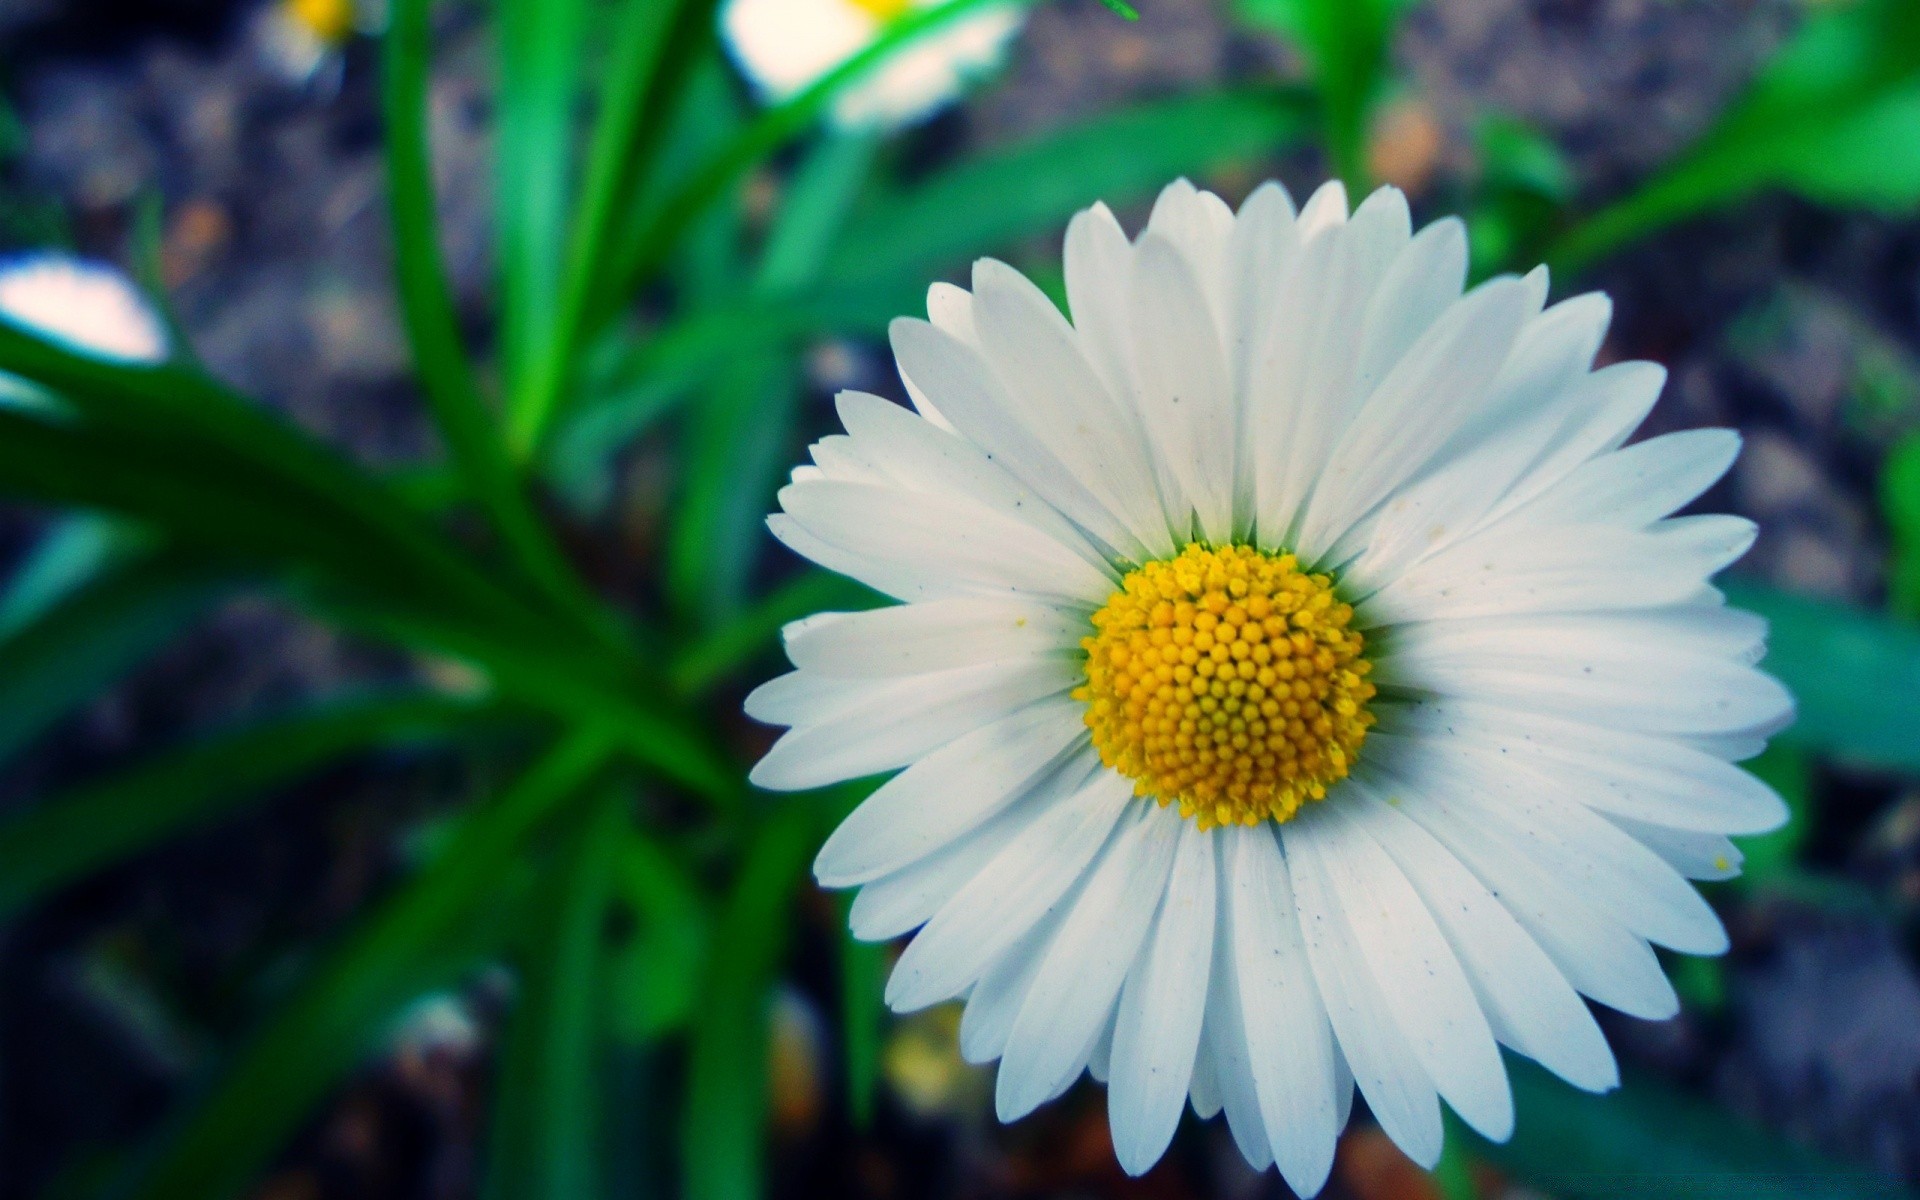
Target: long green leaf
<point x="473" y="438"/>
<point x="1900" y="501"/>
<point x="652" y="52"/>
<point x="545" y="1139"/>
<point x="582" y="692"/>
<point x="66" y="836"/>
<point x="312" y="1041"/>
<point x="1835" y="117"/>
<point x="1347" y="42"/>
<point x="1855" y="674"/>
<point x="540" y="47"/>
<point x="73" y="651"/>
<point x="724" y="1120"/>
<point x="1647" y="1141"/>
<point x="655" y="983"/>
<point x="172" y="423"/>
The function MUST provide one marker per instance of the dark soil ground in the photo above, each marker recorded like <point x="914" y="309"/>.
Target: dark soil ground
<point x="1799" y="326"/>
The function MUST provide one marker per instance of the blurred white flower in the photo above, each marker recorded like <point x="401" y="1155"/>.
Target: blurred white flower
<point x="90" y="306"/>
<point x="1298" y="686"/>
<point x="782" y="46"/>
<point x="303" y="40"/>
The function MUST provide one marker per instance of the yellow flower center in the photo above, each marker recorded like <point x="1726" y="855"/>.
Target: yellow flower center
<point x="1228" y="682"/>
<point x="882" y="10"/>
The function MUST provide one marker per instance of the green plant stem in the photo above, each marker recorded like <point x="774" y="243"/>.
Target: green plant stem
<point x="471" y="434"/>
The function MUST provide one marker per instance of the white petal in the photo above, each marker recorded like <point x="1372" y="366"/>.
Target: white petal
<point x="987" y="552"/>
<point x="1183" y="388"/>
<point x="1638" y="485"/>
<point x="1406" y="420"/>
<point x="1008" y="895"/>
<point x="1525" y="568"/>
<point x="1037" y="358"/>
<point x="1289" y="1042"/>
<point x="902" y="581"/>
<point x="948" y="793"/>
<point x="897" y="721"/>
<point x="1384" y="1065"/>
<point x="912" y="639"/>
<point x="968" y="394"/>
<point x="1426" y="278"/>
<point x="1528" y="1002"/>
<point x="1081" y="974"/>
<point x="1425" y="988"/>
<point x="1521" y="807"/>
<point x="1618" y="774"/>
<point x="1223" y="1031"/>
<point x="924" y="458"/>
<point x="1695" y="855"/>
<point x="1157" y="1034"/>
<point x="1305" y="396"/>
<point x="902" y="900"/>
<point x="1617" y="669"/>
<point x="1594" y="952"/>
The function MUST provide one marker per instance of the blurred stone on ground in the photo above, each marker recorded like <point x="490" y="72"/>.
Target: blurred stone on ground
<point x="1827" y="1048"/>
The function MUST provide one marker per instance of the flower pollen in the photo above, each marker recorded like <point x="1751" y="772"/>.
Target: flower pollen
<point x="1227" y="681"/>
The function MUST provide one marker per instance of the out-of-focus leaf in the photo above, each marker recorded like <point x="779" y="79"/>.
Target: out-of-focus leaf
<point x="724" y="1120"/>
<point x="1648" y="1141"/>
<point x="1347" y="42"/>
<point x="727" y="648"/>
<point x="540" y="51"/>
<point x="68" y="835"/>
<point x="473" y="437"/>
<point x="654" y="52"/>
<point x="863" y="975"/>
<point x="737" y="445"/>
<point x="1525" y="185"/>
<point x="640" y="724"/>
<point x="1855" y="674"/>
<point x="1835" y="117"/>
<point x="167" y="422"/>
<point x="1034" y="186"/>
<point x="655" y="979"/>
<point x="217" y="503"/>
<point x="313" y="1040"/>
<point x="72" y="551"/>
<point x="544" y="1143"/>
<point x="72" y="651"/>
<point x="1900" y="501"/>
<point x="1784" y="767"/>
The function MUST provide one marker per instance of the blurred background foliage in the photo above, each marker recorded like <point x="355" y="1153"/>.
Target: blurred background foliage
<point x="542" y="895"/>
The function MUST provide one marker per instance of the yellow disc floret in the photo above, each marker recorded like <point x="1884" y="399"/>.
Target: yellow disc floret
<point x="1228" y="682"/>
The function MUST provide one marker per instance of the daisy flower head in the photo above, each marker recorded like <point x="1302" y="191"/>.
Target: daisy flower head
<point x="783" y="46"/>
<point x="89" y="306"/>
<point x="1298" y="684"/>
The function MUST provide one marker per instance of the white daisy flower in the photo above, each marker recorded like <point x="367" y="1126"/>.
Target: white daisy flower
<point x="782" y="46"/>
<point x="89" y="306"/>
<point x="1297" y="684"/>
